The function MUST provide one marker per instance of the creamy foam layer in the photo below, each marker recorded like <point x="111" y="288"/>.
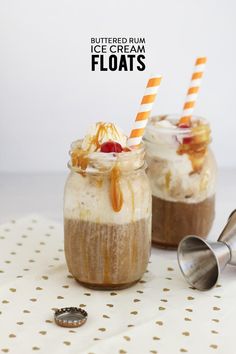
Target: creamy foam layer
<point x="171" y="174"/>
<point x="88" y="198"/>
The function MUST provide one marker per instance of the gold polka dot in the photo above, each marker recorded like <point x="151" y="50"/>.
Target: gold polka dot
<point x="70" y="276"/>
<point x="190" y="298"/>
<point x="67" y="343"/>
<point x="24" y="236"/>
<point x="170" y="269"/>
<point x="31" y="261"/>
<point x="20" y="323"/>
<point x="213" y="346"/>
<point x="2" y="237"/>
<point x="217" y="296"/>
<point x="161" y="308"/>
<point x="102" y="329"/>
<point x="168" y="278"/>
<point x="48" y="235"/>
<point x="186" y="334"/>
<point x="37" y="251"/>
<point x="7" y="262"/>
<point x="26" y="311"/>
<point x="105" y="316"/>
<point x="35" y="348"/>
<point x="13" y="290"/>
<point x="140" y="291"/>
<point x="19" y="276"/>
<point x="130" y="325"/>
<point x="60" y="250"/>
<point x="127" y="338"/>
<point x="56" y="259"/>
<point x="109" y="305"/>
<point x="43" y="332"/>
<point x="82" y="305"/>
<point x="38" y="288"/>
<point x="33" y="299"/>
<point x="26" y="269"/>
<point x="153" y="351"/>
<point x="29" y="228"/>
<point x="189" y="310"/>
<point x="5" y="350"/>
<point x="45" y="277"/>
<point x="165" y="289"/>
<point x="51" y="227"/>
<point x="214" y="332"/>
<point x="49" y="321"/>
<point x="160" y="323"/>
<point x="65" y="286"/>
<point x="164" y="300"/>
<point x="215" y="320"/>
<point x="1" y="271"/>
<point x="72" y="331"/>
<point x="19" y="244"/>
<point x="5" y="301"/>
<point x="13" y="253"/>
<point x="183" y="350"/>
<point x="122" y="351"/>
<point x="156" y="338"/>
<point x="134" y="312"/>
<point x="87" y="294"/>
<point x="187" y="319"/>
<point x="142" y="281"/>
<point x="113" y="294"/>
<point x="215" y="308"/>
<point x="60" y="297"/>
<point x="136" y="300"/>
<point x="218" y="286"/>
<point x="96" y="338"/>
<point x="12" y="335"/>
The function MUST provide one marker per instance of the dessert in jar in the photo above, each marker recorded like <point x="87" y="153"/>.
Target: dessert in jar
<point x="182" y="173"/>
<point x="107" y="210"/>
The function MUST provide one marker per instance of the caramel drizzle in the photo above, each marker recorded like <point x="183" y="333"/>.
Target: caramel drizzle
<point x="79" y="158"/>
<point x="196" y="148"/>
<point x="115" y="190"/>
<point x="102" y="130"/>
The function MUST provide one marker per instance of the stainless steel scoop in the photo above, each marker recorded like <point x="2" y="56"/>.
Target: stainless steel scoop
<point x="201" y="262"/>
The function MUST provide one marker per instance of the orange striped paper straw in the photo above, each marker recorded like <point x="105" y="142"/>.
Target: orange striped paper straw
<point x="193" y="91"/>
<point x="144" y="112"/>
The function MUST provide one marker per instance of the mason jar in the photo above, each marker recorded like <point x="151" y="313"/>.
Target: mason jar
<point x="182" y="174"/>
<point x="107" y="219"/>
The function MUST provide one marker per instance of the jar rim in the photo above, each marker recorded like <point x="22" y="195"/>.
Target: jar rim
<point x="171" y="129"/>
<point x="110" y="159"/>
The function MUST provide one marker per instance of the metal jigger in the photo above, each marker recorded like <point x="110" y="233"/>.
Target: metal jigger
<point x="201" y="262"/>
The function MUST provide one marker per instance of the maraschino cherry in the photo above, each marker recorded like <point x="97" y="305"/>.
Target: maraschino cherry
<point x="111" y="146"/>
<point x="189" y="139"/>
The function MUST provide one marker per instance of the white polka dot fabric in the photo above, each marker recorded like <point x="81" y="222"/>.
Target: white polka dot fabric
<point x="160" y="314"/>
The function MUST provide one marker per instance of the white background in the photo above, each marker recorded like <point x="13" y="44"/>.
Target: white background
<point x="49" y="96"/>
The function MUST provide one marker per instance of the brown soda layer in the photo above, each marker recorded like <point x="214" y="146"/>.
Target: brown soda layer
<point x="107" y="256"/>
<point x="172" y="221"/>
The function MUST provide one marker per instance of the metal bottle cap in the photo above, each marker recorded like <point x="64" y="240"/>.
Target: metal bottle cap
<point x="70" y="317"/>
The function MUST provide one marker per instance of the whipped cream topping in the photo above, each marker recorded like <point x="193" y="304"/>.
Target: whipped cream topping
<point x="100" y="133"/>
